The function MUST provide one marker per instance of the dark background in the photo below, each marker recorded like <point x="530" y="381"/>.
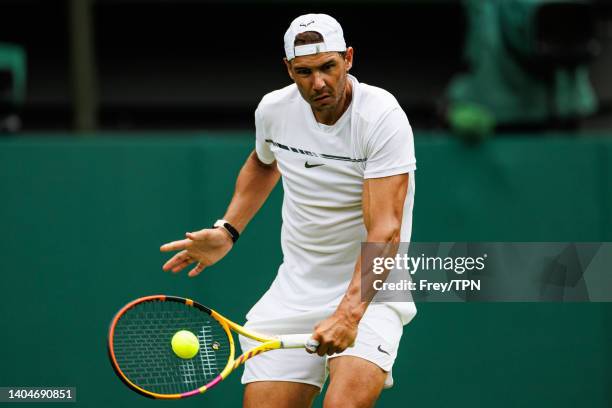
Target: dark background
<point x="205" y="64"/>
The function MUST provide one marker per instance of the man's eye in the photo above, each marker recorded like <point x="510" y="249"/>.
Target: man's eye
<point x="303" y="72"/>
<point x="327" y="67"/>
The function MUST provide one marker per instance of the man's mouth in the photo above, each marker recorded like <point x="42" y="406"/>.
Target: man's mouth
<point x="320" y="98"/>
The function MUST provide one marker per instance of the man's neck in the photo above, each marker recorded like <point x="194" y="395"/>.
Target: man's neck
<point x="330" y="117"/>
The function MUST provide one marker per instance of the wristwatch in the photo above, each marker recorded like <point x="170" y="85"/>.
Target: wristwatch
<point x="233" y="232"/>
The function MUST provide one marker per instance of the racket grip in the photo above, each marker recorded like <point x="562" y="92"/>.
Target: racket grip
<point x="311" y="345"/>
<point x="299" y="341"/>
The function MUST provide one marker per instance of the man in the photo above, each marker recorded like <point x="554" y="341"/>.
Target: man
<point x="345" y="153"/>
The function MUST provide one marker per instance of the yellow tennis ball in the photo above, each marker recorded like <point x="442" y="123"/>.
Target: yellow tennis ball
<point x="185" y="344"/>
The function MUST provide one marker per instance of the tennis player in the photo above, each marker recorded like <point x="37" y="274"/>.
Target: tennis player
<point x="345" y="153"/>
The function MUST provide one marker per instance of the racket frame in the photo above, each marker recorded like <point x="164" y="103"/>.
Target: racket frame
<point x="267" y="343"/>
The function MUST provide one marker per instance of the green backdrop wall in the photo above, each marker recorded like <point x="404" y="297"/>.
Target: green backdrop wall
<point x="81" y="221"/>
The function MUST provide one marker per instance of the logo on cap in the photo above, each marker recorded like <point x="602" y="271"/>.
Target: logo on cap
<point x="307" y="24"/>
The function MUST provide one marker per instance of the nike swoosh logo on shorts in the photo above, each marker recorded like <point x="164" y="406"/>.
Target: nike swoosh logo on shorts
<point x="383" y="351"/>
<point x="310" y="166"/>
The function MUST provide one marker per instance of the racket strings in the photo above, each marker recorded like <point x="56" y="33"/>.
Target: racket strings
<point x="142" y="346"/>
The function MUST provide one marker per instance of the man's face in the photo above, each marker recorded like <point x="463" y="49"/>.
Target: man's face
<point x="321" y="78"/>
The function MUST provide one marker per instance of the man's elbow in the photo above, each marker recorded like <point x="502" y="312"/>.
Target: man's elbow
<point x="389" y="233"/>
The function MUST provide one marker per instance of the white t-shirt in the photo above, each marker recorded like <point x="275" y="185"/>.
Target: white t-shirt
<point x="323" y="170"/>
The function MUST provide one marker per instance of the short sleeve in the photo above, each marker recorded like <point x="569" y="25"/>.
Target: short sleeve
<point x="262" y="148"/>
<point x="390" y="146"/>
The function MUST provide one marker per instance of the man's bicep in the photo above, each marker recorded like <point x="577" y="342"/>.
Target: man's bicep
<point x="383" y="202"/>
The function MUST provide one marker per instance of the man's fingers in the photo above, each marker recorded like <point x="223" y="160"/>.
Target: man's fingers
<point x="177" y="259"/>
<point x="194" y="235"/>
<point x="196" y="271"/>
<point x="197" y="235"/>
<point x="322" y="351"/>
<point x="181" y="266"/>
<point x="176" y="245"/>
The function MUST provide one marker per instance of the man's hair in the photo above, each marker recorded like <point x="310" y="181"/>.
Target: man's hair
<point x="308" y="37"/>
<point x="311" y="37"/>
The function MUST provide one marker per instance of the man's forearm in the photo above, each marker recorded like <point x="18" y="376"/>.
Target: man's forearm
<point x="361" y="291"/>
<point x="253" y="186"/>
<point x="383" y="203"/>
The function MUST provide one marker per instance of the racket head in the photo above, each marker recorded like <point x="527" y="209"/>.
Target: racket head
<point x="140" y="351"/>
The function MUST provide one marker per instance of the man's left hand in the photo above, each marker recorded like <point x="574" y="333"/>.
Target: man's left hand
<point x="335" y="334"/>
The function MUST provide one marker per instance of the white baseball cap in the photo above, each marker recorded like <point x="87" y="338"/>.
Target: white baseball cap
<point x="327" y="26"/>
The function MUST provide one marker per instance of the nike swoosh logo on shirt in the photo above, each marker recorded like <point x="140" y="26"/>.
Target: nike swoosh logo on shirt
<point x="383" y="351"/>
<point x="310" y="166"/>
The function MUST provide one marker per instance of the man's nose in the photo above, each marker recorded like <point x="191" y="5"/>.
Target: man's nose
<point x="319" y="82"/>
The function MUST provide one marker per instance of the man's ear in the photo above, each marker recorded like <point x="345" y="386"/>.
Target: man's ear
<point x="348" y="58"/>
<point x="288" y="65"/>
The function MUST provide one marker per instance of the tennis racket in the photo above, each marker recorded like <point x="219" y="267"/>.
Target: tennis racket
<point x="141" y="352"/>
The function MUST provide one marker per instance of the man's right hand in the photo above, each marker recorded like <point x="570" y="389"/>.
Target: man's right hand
<point x="205" y="247"/>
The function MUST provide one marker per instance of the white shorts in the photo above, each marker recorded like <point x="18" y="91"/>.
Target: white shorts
<point x="378" y="337"/>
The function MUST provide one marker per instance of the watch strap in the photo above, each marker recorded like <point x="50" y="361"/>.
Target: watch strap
<point x="233" y="232"/>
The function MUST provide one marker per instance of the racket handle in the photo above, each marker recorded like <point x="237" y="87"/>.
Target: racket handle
<point x="311" y="345"/>
<point x="299" y="341"/>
